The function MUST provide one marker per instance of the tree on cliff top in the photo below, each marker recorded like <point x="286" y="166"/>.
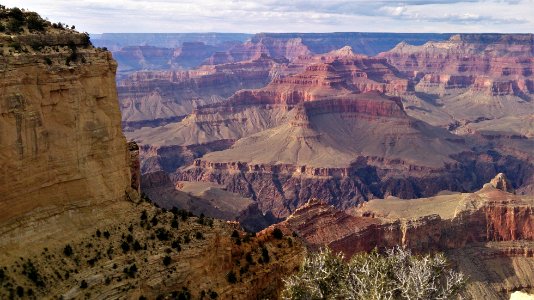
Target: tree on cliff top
<point x="397" y="274"/>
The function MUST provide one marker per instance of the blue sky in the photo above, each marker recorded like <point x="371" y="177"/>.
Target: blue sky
<point x="97" y="16"/>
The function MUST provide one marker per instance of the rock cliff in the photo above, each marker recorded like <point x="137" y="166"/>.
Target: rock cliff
<point x="155" y="98"/>
<point x="488" y="234"/>
<point x="294" y="45"/>
<point x="325" y="128"/>
<point x="469" y="77"/>
<point x="61" y="141"/>
<point x="67" y="229"/>
<point x="64" y="160"/>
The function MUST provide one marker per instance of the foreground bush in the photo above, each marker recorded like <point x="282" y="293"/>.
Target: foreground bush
<point x="395" y="275"/>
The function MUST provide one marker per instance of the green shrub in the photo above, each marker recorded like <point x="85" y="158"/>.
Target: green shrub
<point x="167" y="260"/>
<point x="231" y="277"/>
<point x="68" y="250"/>
<point x="278" y="234"/>
<point x="213" y="294"/>
<point x="162" y="234"/>
<point x="131" y="271"/>
<point x="176" y="246"/>
<point x="17" y="14"/>
<point x="125" y="247"/>
<point x="248" y="258"/>
<point x="30" y="271"/>
<point x="14" y="26"/>
<point x="16" y="45"/>
<point x="265" y="255"/>
<point x="396" y="274"/>
<point x="20" y="291"/>
<point x="137" y="246"/>
<point x="35" y="23"/>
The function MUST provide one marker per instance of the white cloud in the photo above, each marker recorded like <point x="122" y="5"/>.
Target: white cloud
<point x="288" y="16"/>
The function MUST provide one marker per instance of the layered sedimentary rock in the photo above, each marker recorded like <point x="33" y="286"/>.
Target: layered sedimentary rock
<point x="293" y="45"/>
<point x="327" y="131"/>
<point x="469" y="77"/>
<point x="343" y="150"/>
<point x="216" y="126"/>
<point x="489" y="234"/>
<point x="66" y="227"/>
<point x="63" y="158"/>
<point x="154" y="98"/>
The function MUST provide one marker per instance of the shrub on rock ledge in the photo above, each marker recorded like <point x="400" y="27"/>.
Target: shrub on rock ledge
<point x="397" y="274"/>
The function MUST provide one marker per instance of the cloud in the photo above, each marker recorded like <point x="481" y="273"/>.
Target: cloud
<point x="288" y="16"/>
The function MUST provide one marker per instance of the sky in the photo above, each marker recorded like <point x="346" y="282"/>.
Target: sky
<point x="99" y="16"/>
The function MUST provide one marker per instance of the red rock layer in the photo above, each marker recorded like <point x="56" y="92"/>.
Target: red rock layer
<point x="153" y="96"/>
<point x="495" y="65"/>
<point x="497" y="216"/>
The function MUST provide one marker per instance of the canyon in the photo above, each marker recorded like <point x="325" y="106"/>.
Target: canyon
<point x="345" y="127"/>
<point x="168" y="174"/>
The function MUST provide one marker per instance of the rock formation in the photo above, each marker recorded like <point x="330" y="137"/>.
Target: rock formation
<point x="67" y="229"/>
<point x="468" y="77"/>
<point x="324" y="128"/>
<point x="62" y="149"/>
<point x="293" y="45"/>
<point x="155" y="98"/>
<point x="488" y="234"/>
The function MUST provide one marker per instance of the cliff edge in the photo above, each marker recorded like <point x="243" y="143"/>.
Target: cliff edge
<point x="62" y="150"/>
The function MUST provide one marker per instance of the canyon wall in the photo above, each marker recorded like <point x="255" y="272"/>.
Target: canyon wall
<point x="62" y="150"/>
<point x="468" y="78"/>
<point x="488" y="234"/>
<point x="155" y="98"/>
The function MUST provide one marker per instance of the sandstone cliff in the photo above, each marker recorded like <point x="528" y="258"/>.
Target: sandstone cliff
<point x="62" y="151"/>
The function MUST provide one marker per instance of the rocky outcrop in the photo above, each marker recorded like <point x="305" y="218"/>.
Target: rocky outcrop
<point x="500" y="182"/>
<point x="160" y="97"/>
<point x="328" y="132"/>
<point x="64" y="160"/>
<point x="492" y="228"/>
<point x="469" y="76"/>
<point x="294" y="45"/>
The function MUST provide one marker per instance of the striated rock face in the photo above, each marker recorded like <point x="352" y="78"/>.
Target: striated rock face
<point x="294" y="45"/>
<point x="62" y="143"/>
<point x="158" y="97"/>
<point x="343" y="150"/>
<point x="323" y="128"/>
<point x="492" y="229"/>
<point x="469" y="77"/>
<point x="64" y="160"/>
<point x="255" y="48"/>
